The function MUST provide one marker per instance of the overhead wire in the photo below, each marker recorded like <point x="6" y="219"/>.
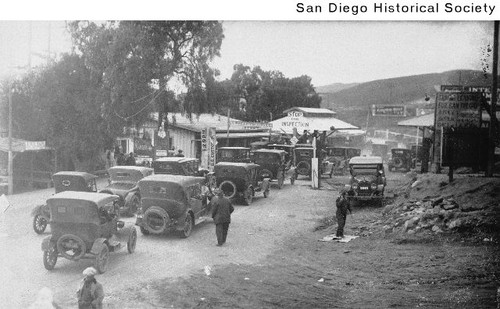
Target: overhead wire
<point x="142" y="109"/>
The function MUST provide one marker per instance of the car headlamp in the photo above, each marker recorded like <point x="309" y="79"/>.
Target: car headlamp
<point x="355" y="186"/>
<point x="373" y="186"/>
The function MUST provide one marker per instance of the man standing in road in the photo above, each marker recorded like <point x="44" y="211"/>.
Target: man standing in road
<point x="221" y="213"/>
<point x="90" y="293"/>
<point x="343" y="206"/>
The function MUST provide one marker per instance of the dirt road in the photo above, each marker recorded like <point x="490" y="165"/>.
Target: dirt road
<point x="256" y="231"/>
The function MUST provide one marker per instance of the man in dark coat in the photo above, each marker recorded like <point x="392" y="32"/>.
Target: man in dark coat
<point x="221" y="213"/>
<point x="343" y="205"/>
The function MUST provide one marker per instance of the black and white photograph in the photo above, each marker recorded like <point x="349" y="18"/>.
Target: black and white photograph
<point x="205" y="163"/>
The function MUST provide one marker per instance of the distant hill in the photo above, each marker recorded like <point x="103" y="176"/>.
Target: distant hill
<point x="334" y="87"/>
<point x="353" y="104"/>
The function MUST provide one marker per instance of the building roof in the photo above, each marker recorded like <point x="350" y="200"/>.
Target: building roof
<point x="286" y="124"/>
<point x="420" y="121"/>
<point x="220" y="122"/>
<point x="312" y="112"/>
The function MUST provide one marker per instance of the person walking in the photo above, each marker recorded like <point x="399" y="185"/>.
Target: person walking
<point x="90" y="293"/>
<point x="343" y="205"/>
<point x="130" y="161"/>
<point x="221" y="213"/>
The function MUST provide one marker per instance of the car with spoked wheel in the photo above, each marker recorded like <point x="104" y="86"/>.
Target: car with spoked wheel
<point x="368" y="181"/>
<point x="240" y="181"/>
<point x="63" y="181"/>
<point x="85" y="225"/>
<point x="401" y="160"/>
<point x="123" y="182"/>
<point x="272" y="163"/>
<point x="172" y="203"/>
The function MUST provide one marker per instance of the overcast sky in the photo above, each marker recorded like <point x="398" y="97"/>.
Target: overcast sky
<point x="329" y="52"/>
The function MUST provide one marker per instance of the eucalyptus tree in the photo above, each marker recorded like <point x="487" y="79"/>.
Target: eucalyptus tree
<point x="137" y="62"/>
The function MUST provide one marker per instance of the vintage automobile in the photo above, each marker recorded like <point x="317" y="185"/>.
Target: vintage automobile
<point x="368" y="180"/>
<point x="178" y="166"/>
<point x="401" y="160"/>
<point x="85" y="225"/>
<point x="303" y="161"/>
<point x="172" y="203"/>
<point x="240" y="180"/>
<point x="233" y="154"/>
<point x="272" y="164"/>
<point x="289" y="152"/>
<point x="63" y="181"/>
<point x="123" y="182"/>
<point x="339" y="157"/>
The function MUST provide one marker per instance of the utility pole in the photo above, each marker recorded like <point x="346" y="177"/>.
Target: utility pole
<point x="10" y="168"/>
<point x="494" y="99"/>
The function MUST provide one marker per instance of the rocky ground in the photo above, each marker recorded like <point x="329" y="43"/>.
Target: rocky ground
<point x="434" y="244"/>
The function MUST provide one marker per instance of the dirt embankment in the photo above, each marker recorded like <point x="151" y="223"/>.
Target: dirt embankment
<point x="393" y="263"/>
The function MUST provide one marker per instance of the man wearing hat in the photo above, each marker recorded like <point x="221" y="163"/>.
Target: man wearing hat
<point x="343" y="206"/>
<point x="221" y="213"/>
<point x="90" y="292"/>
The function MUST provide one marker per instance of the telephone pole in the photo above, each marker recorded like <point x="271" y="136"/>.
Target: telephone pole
<point x="494" y="98"/>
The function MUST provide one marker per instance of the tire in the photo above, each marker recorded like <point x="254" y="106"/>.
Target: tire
<point x="102" y="259"/>
<point x="156" y="220"/>
<point x="144" y="231"/>
<point x="133" y="202"/>
<point x="248" y="196"/>
<point x="228" y="186"/>
<point x="39" y="224"/>
<point x="303" y="168"/>
<point x="398" y="162"/>
<point x="50" y="257"/>
<point x="73" y="243"/>
<point x="188" y="226"/>
<point x="132" y="241"/>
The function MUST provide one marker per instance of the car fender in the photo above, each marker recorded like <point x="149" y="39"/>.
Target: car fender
<point x="129" y="196"/>
<point x="41" y="210"/>
<point x="180" y="226"/>
<point x="47" y="243"/>
<point x="97" y="246"/>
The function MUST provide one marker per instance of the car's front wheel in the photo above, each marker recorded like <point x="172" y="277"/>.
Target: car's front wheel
<point x="188" y="226"/>
<point x="50" y="257"/>
<point x="39" y="224"/>
<point x="102" y="259"/>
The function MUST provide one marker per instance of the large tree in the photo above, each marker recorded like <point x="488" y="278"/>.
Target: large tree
<point x="136" y="60"/>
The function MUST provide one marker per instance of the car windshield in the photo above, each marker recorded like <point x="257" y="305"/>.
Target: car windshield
<point x="168" y="168"/>
<point x="240" y="154"/>
<point x="266" y="157"/>
<point x="365" y="169"/>
<point x="337" y="152"/>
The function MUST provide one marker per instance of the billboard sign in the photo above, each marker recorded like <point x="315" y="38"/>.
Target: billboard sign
<point x="204" y="147"/>
<point x="458" y="109"/>
<point x="389" y="110"/>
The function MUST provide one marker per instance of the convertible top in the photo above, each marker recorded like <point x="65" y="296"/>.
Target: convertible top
<point x="84" y="175"/>
<point x="98" y="199"/>
<point x="366" y="160"/>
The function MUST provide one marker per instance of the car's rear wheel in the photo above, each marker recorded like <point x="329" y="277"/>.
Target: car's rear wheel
<point x="398" y="162"/>
<point x="71" y="247"/>
<point x="303" y="168"/>
<point x="229" y="188"/>
<point x="39" y="224"/>
<point x="102" y="259"/>
<point x="156" y="220"/>
<point x="132" y="240"/>
<point x="248" y="196"/>
<point x="188" y="226"/>
<point x="50" y="257"/>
